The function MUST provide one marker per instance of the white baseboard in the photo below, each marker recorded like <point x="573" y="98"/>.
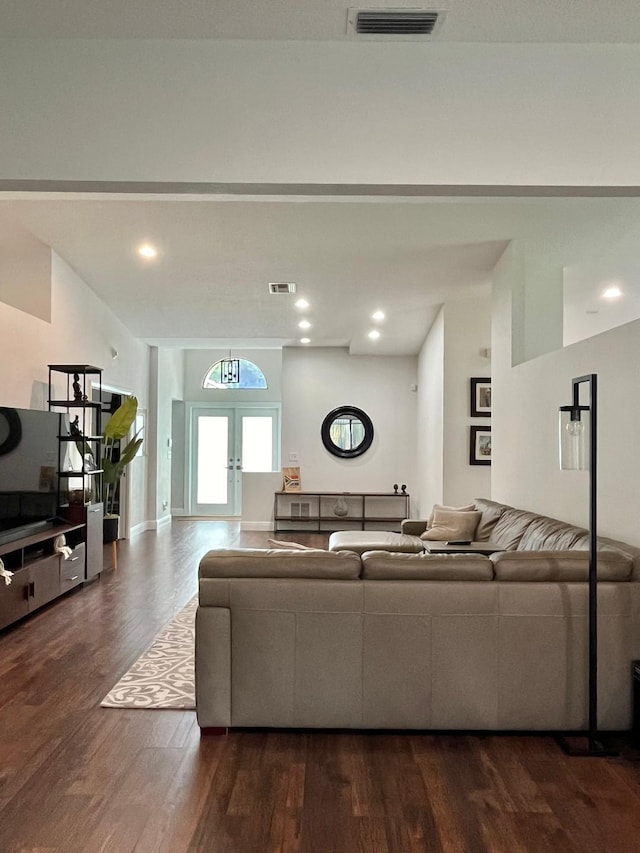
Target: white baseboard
<point x="154" y="524"/>
<point x="257" y="525"/>
<point x="139" y="528"/>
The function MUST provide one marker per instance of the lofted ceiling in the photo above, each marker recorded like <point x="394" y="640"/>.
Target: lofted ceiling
<point x="350" y="255"/>
<point x="209" y="284"/>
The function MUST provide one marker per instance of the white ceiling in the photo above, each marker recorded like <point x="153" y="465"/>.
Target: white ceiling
<point x="581" y="21"/>
<point x="209" y="285"/>
<point x="348" y="256"/>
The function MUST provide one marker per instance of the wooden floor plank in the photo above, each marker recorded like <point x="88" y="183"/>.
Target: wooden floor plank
<point x="77" y="778"/>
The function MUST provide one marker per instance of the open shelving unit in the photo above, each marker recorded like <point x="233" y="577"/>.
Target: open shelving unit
<point x="79" y="483"/>
<point x="329" y="511"/>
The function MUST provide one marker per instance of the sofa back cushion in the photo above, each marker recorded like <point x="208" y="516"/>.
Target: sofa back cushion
<point x="491" y="512"/>
<point x="510" y="527"/>
<point x="549" y="534"/>
<point x="279" y="563"/>
<point x="382" y="565"/>
<point x="562" y="566"/>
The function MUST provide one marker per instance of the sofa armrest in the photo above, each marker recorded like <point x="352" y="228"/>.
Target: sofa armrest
<point x="213" y="667"/>
<point x="413" y="526"/>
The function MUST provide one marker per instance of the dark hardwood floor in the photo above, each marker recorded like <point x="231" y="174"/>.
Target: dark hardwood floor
<point x="77" y="777"/>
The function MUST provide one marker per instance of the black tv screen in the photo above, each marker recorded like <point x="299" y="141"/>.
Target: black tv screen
<point x="28" y="469"/>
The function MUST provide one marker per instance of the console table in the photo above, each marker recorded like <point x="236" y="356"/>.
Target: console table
<point x="328" y="511"/>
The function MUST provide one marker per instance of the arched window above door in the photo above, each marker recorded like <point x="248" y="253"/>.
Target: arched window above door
<point x="251" y="377"/>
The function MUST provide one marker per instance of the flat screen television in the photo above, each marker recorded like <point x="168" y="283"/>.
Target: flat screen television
<point x="28" y="470"/>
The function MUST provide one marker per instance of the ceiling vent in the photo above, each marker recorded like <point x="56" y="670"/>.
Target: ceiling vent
<point x="409" y="23"/>
<point x="277" y="287"/>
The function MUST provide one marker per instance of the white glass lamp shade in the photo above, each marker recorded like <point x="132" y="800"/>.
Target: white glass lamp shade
<point x="574" y="438"/>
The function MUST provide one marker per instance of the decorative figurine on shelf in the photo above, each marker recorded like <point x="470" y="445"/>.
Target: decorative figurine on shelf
<point x="403" y="488"/>
<point x="341" y="508"/>
<point x="74" y="427"/>
<point x="395" y="488"/>
<point x="77" y="390"/>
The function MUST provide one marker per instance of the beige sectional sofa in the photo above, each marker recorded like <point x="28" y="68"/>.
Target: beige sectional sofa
<point x="288" y="638"/>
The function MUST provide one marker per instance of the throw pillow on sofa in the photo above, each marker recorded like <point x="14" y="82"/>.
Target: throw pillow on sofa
<point x="452" y="525"/>
<point x="468" y="508"/>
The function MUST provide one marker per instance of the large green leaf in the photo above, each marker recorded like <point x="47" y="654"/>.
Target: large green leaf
<point x="121" y="420"/>
<point x="128" y="453"/>
<point x="111" y="474"/>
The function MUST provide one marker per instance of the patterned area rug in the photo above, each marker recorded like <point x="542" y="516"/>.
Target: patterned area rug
<point x="163" y="677"/>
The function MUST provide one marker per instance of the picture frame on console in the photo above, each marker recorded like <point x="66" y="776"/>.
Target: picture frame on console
<point x="480" y="445"/>
<point x="480" y="404"/>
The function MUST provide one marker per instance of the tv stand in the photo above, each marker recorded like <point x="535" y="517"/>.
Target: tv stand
<point x="23" y="531"/>
<point x="40" y="573"/>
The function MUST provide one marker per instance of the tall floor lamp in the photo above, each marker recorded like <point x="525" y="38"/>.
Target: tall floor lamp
<point x="579" y="451"/>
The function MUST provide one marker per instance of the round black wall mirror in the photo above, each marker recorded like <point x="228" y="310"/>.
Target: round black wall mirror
<point x="10" y="429"/>
<point x="347" y="432"/>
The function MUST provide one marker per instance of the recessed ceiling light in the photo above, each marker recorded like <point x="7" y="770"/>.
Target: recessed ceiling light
<point x="378" y="316"/>
<point x="613" y="292"/>
<point x="305" y="340"/>
<point x="146" y="250"/>
<point x="302" y="304"/>
<point x="304" y="324"/>
<point x="374" y="334"/>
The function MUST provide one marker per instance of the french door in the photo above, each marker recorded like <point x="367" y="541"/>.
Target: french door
<point x="224" y="443"/>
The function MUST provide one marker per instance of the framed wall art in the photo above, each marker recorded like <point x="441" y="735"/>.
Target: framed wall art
<point x="481" y="397"/>
<point x="480" y="445"/>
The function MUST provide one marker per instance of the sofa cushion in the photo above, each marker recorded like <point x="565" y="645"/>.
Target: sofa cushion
<point x="360" y="541"/>
<point x="549" y="534"/>
<point x="491" y="512"/>
<point x="559" y="566"/>
<point x="279" y="563"/>
<point x="382" y="565"/>
<point x="468" y="508"/>
<point x="451" y="524"/>
<point x="510" y="527"/>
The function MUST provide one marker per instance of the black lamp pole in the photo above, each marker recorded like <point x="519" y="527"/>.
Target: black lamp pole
<point x="594" y="746"/>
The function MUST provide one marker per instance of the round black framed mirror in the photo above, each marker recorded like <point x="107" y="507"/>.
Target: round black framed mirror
<point x="10" y="429"/>
<point x="347" y="432"/>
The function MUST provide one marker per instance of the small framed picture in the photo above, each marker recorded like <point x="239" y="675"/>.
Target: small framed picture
<point x="481" y="398"/>
<point x="291" y="479"/>
<point x="480" y="445"/>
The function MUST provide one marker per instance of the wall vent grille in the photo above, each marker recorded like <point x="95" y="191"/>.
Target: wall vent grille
<point x="277" y="287"/>
<point x="394" y="22"/>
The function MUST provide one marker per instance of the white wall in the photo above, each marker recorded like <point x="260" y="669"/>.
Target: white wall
<point x="526" y="397"/>
<point x="25" y="271"/>
<point x="257" y="111"/>
<point x="82" y="330"/>
<point x="467" y="332"/>
<point x="430" y="426"/>
<point x="257" y="499"/>
<point x="452" y="353"/>
<point x="316" y="381"/>
<point x="166" y="385"/>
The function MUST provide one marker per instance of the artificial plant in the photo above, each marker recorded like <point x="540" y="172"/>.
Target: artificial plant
<point x="117" y="428"/>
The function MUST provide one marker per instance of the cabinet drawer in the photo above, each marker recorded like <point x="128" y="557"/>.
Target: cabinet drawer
<point x="72" y="570"/>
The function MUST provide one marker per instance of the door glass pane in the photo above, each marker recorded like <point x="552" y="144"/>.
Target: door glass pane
<point x="257" y="443"/>
<point x="212" y="459"/>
